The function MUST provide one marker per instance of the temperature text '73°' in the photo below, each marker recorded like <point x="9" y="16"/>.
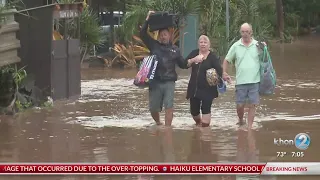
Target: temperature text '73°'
<point x="281" y="154"/>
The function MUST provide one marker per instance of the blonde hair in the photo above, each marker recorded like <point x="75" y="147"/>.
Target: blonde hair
<point x="206" y="38"/>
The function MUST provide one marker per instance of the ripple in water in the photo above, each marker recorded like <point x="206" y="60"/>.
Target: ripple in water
<point x="136" y="113"/>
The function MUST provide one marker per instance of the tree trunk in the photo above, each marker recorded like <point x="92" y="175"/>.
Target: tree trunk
<point x="280" y="19"/>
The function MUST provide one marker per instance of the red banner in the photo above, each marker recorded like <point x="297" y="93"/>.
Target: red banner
<point x="115" y="169"/>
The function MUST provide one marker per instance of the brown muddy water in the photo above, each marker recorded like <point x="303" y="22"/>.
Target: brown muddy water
<point x="111" y="123"/>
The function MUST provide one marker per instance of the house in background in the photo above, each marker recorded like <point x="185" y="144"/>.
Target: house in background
<point x="59" y="76"/>
<point x="110" y="14"/>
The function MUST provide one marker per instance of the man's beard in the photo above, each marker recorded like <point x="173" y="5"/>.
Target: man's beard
<point x="164" y="41"/>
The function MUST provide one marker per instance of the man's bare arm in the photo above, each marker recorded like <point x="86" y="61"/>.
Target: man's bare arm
<point x="225" y="66"/>
<point x="225" y="75"/>
<point x="144" y="35"/>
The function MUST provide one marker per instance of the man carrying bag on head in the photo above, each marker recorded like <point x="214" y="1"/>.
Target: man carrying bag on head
<point x="161" y="89"/>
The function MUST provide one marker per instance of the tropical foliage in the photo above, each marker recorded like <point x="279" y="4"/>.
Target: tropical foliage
<point x="2" y="9"/>
<point x="137" y="11"/>
<point x="91" y="34"/>
<point x="298" y="17"/>
<point x="213" y="21"/>
<point x="212" y="18"/>
<point x="128" y="55"/>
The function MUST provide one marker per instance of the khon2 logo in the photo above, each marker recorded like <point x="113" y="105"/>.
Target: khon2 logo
<point x="301" y="141"/>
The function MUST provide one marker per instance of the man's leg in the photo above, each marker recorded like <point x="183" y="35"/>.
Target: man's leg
<point x="168" y="116"/>
<point x="155" y="102"/>
<point x="206" y="112"/>
<point x="168" y="100"/>
<point x="251" y="115"/>
<point x="156" y="117"/>
<point x="240" y="113"/>
<point x="254" y="100"/>
<point x="195" y="104"/>
<point x="241" y="96"/>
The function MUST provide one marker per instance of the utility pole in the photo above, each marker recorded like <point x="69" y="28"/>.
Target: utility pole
<point x="280" y="19"/>
<point x="227" y="19"/>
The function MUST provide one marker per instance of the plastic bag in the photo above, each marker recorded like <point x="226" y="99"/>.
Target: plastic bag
<point x="146" y="72"/>
<point x="268" y="77"/>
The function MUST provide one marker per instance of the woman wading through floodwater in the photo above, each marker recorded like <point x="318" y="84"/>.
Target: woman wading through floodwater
<point x="201" y="91"/>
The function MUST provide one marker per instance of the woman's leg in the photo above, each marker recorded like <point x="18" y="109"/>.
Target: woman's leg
<point x="195" y="104"/>
<point x="206" y="112"/>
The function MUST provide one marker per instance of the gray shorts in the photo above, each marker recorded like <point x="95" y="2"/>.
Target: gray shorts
<point x="247" y="94"/>
<point x="161" y="94"/>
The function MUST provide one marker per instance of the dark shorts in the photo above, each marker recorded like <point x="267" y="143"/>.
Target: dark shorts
<point x="247" y="94"/>
<point x="197" y="104"/>
<point x="161" y="94"/>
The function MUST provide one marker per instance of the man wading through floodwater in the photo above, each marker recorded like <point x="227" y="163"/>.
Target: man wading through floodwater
<point x="245" y="56"/>
<point x="161" y="90"/>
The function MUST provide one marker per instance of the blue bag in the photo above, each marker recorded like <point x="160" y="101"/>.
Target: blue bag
<point x="146" y="72"/>
<point x="222" y="86"/>
<point x="268" y="78"/>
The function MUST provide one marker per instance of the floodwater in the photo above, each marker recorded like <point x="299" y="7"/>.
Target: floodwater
<point x="111" y="123"/>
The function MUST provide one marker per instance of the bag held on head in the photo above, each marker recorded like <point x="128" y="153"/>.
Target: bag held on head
<point x="162" y="20"/>
<point x="146" y="72"/>
<point x="268" y="78"/>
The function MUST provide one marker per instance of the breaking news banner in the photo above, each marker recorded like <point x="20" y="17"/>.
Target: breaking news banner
<point x="272" y="168"/>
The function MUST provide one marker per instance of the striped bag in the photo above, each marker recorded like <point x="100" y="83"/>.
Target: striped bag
<point x="146" y="72"/>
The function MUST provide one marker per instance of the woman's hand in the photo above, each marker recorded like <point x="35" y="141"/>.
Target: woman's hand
<point x="198" y="59"/>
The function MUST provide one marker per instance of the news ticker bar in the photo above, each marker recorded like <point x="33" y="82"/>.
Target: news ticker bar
<point x="272" y="168"/>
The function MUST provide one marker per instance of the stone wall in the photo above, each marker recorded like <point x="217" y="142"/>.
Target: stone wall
<point x="9" y="44"/>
